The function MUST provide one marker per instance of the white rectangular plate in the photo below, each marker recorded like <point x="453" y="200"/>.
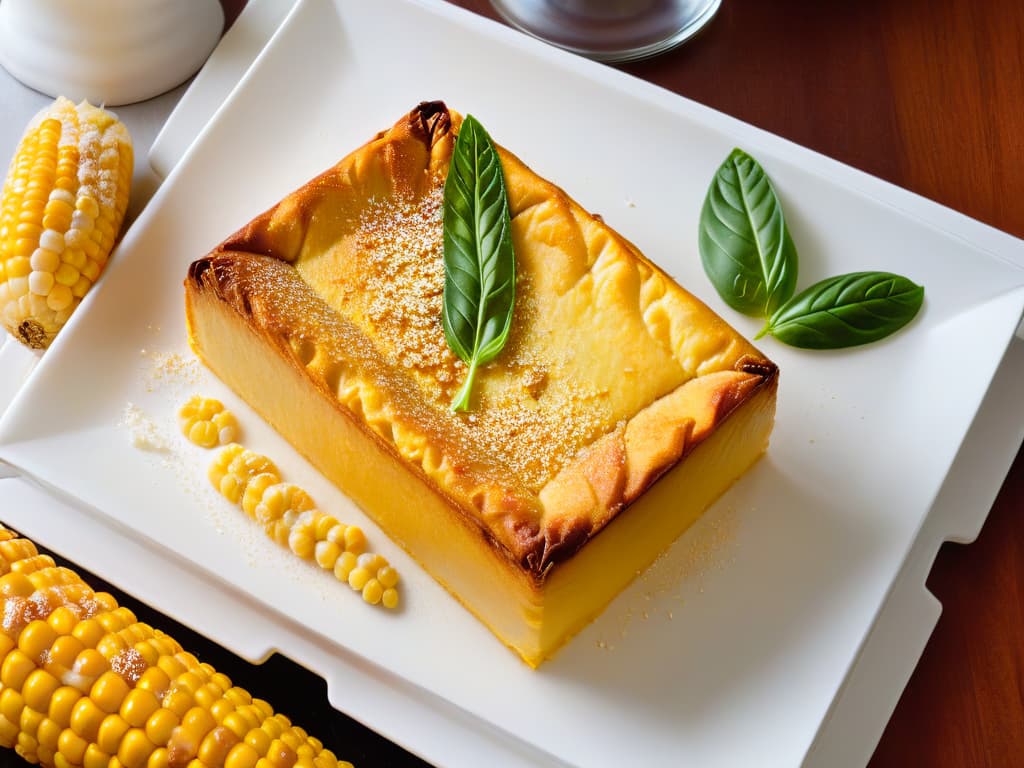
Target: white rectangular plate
<point x="732" y="648"/>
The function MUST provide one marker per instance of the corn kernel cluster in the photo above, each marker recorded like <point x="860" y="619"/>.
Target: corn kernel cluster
<point x="205" y="422"/>
<point x="288" y="516"/>
<point x="63" y="203"/>
<point x="84" y="684"/>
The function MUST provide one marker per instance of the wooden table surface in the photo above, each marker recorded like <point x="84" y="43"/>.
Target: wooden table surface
<point x="927" y="94"/>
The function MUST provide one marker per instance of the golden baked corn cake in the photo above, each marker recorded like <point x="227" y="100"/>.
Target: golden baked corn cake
<point x="537" y="506"/>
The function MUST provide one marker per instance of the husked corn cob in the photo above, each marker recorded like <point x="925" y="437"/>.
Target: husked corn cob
<point x="84" y="684"/>
<point x="63" y="202"/>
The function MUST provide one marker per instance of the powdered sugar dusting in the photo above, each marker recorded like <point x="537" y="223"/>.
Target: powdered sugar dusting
<point x="403" y="246"/>
<point x="390" y="282"/>
<point x="130" y="665"/>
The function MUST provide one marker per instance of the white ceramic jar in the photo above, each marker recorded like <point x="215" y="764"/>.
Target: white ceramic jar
<point x="107" y="51"/>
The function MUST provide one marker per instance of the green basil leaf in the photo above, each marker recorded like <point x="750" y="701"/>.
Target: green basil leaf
<point x="479" y="264"/>
<point x="744" y="243"/>
<point x="847" y="310"/>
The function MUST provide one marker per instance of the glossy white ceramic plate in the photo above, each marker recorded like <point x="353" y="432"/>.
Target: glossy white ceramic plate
<point x="732" y="649"/>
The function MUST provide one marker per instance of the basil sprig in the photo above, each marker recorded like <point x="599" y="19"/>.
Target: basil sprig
<point x="479" y="263"/>
<point x="846" y="311"/>
<point x="744" y="242"/>
<point x="749" y="256"/>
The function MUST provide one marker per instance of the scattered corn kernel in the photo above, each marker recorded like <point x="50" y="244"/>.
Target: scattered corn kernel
<point x="287" y="515"/>
<point x="205" y="422"/>
<point x="234" y="467"/>
<point x="69" y="179"/>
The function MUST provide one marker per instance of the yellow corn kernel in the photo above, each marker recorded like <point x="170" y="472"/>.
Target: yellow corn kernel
<point x="30" y="721"/>
<point x="15" y="585"/>
<point x="148" y="653"/>
<point x="222" y="681"/>
<point x="236" y="723"/>
<point x="90" y="632"/>
<point x="95" y="758"/>
<point x="390" y="598"/>
<point x="280" y="499"/>
<point x="90" y="664"/>
<point x="32" y="564"/>
<point x="234" y="467"/>
<point x="272" y="727"/>
<point x="355" y="539"/>
<point x="138" y="706"/>
<point x="387" y="576"/>
<point x="26" y="747"/>
<point x="227" y="427"/>
<point x="251" y="716"/>
<point x="302" y="541"/>
<point x="39" y="688"/>
<point x="178" y="701"/>
<point x="216" y="745"/>
<point x="56" y="195"/>
<point x="280" y="755"/>
<point x="111" y="731"/>
<point x="114" y="621"/>
<point x="205" y="422"/>
<point x="344" y="566"/>
<point x="242" y="755"/>
<point x="161" y="725"/>
<point x="47" y="734"/>
<point x="326" y="554"/>
<point x="292" y="738"/>
<point x="198" y="722"/>
<point x="86" y="718"/>
<point x="109" y="691"/>
<point x="71" y="746"/>
<point x="62" y="703"/>
<point x="373" y="592"/>
<point x="11" y="704"/>
<point x="171" y="666"/>
<point x="221" y="707"/>
<point x="238" y="696"/>
<point x="135" y="749"/>
<point x="358" y="578"/>
<point x="259" y="740"/>
<point x="190" y="681"/>
<point x="16" y="668"/>
<point x="14" y="550"/>
<point x="155" y="681"/>
<point x="63" y="620"/>
<point x="111" y="646"/>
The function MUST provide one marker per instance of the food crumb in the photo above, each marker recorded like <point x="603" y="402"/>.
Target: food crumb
<point x="143" y="432"/>
<point x="706" y="548"/>
<point x="170" y="368"/>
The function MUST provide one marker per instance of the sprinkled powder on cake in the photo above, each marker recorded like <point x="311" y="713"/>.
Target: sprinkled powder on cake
<point x="531" y="429"/>
<point x="402" y="244"/>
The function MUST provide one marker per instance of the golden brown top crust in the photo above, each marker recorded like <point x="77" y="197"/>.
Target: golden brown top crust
<point x="612" y="372"/>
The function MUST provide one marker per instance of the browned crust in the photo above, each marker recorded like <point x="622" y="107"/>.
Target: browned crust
<point x="252" y="286"/>
<point x="536" y="532"/>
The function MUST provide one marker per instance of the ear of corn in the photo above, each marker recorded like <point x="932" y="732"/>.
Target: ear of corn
<point x="61" y="209"/>
<point x="83" y="684"/>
